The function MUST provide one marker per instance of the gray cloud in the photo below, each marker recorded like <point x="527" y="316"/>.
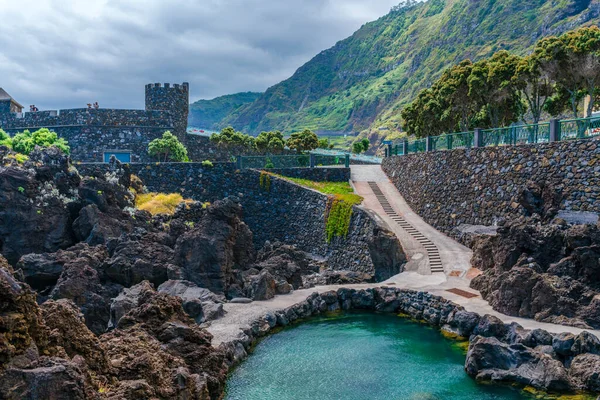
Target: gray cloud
<point x="65" y="53"/>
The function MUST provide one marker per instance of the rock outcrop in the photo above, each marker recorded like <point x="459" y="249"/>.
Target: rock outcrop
<point x="156" y="351"/>
<point x="550" y="272"/>
<point x="215" y="246"/>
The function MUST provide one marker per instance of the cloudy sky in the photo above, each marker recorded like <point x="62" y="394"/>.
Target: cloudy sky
<point x="66" y="53"/>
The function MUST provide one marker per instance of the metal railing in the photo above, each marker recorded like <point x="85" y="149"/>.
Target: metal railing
<point x="579" y="128"/>
<point x="544" y="132"/>
<point x="292" y="161"/>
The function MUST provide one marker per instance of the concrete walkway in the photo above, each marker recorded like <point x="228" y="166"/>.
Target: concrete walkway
<point x="454" y="256"/>
<point x="417" y="276"/>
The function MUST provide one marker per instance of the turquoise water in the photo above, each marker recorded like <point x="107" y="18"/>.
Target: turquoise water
<point x="358" y="356"/>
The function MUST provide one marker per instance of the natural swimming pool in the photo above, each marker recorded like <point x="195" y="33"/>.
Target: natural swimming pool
<point x="358" y="356"/>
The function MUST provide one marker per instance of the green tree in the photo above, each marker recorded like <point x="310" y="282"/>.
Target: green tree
<point x="303" y="141"/>
<point x="365" y="144"/>
<point x="454" y="88"/>
<point x="24" y="142"/>
<point x="423" y="117"/>
<point x="491" y="84"/>
<point x="168" y="148"/>
<point x="325" y="144"/>
<point x="360" y="146"/>
<point x="534" y="85"/>
<point x="572" y="60"/>
<point x="357" y="147"/>
<point x="233" y="139"/>
<point x="271" y="142"/>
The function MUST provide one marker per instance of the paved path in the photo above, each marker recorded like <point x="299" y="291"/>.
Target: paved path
<point x="455" y="258"/>
<point x="418" y="275"/>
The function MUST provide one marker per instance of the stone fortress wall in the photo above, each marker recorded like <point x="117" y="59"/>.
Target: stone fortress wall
<point x="92" y="132"/>
<point x="280" y="211"/>
<point x="480" y="186"/>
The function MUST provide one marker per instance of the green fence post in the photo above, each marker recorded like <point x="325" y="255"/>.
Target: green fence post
<point x="581" y="128"/>
<point x="312" y="160"/>
<point x="478" y="139"/>
<point x="347" y="161"/>
<point x="449" y="142"/>
<point x="554" y="130"/>
<point x="405" y="147"/>
<point x="429" y="144"/>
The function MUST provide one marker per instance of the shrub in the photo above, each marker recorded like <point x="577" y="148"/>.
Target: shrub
<point x="159" y="203"/>
<point x="265" y="181"/>
<point x="168" y="148"/>
<point x="207" y="164"/>
<point x="24" y="142"/>
<point x="5" y="140"/>
<point x="269" y="164"/>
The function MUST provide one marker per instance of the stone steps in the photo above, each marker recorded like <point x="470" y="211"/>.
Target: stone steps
<point x="433" y="253"/>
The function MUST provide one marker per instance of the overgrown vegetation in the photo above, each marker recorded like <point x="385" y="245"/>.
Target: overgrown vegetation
<point x="507" y="88"/>
<point x="207" y="164"/>
<point x="24" y="142"/>
<point x="265" y="181"/>
<point x="168" y="148"/>
<point x="338" y="215"/>
<point x="159" y="203"/>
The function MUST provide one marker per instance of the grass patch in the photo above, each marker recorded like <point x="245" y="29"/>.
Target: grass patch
<point x="159" y="203"/>
<point x="341" y="190"/>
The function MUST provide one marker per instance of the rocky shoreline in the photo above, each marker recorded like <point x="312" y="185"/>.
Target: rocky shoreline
<point x="498" y="352"/>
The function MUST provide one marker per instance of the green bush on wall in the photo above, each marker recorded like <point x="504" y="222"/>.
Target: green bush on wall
<point x="337" y="218"/>
<point x="265" y="181"/>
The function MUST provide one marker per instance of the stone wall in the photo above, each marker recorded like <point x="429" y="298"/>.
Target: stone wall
<point x="280" y="211"/>
<point x="481" y="186"/>
<point x="84" y="116"/>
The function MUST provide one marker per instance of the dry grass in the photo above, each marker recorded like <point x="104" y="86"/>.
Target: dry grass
<point x="159" y="203"/>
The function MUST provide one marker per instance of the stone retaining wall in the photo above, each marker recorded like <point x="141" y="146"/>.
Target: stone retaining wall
<point x="481" y="186"/>
<point x="497" y="351"/>
<point x="280" y="211"/>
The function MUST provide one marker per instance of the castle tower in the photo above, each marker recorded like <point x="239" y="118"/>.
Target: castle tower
<point x="174" y="99"/>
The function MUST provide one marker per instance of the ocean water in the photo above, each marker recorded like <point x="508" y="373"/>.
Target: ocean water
<point x="358" y="356"/>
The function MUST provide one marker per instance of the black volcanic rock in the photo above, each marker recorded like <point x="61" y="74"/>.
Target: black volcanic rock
<point x="218" y="244"/>
<point x="546" y="271"/>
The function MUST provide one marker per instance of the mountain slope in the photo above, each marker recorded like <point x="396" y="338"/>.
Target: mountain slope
<point x="207" y="113"/>
<point x="364" y="80"/>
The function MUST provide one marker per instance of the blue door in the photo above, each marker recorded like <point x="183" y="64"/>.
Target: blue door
<point x="123" y="156"/>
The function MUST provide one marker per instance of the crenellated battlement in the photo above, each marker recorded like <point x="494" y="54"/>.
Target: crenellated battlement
<point x="173" y="98"/>
<point x="184" y="87"/>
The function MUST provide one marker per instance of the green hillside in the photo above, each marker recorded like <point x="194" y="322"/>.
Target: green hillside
<point x="208" y="113"/>
<point x="363" y="81"/>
